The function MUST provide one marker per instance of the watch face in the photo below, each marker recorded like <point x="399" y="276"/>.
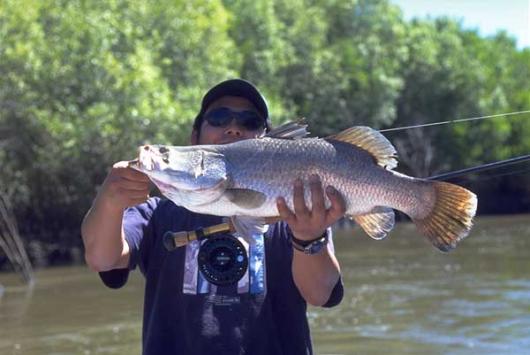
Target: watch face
<point x="316" y="246"/>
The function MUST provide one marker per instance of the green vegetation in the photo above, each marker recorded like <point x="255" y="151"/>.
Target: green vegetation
<point x="84" y="83"/>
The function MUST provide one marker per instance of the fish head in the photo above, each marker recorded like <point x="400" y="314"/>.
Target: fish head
<point x="187" y="174"/>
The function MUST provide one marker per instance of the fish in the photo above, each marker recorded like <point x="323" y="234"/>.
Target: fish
<point x="243" y="180"/>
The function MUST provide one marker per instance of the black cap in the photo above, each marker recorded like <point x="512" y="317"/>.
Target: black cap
<point x="234" y="87"/>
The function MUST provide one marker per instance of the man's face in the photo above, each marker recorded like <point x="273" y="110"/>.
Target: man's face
<point x="233" y="131"/>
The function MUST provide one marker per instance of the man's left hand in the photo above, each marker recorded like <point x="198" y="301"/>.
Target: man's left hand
<point x="309" y="224"/>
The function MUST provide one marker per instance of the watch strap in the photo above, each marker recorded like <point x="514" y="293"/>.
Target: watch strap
<point x="311" y="246"/>
<point x="304" y="243"/>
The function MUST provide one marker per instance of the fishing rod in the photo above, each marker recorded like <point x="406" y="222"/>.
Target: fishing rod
<point x="480" y="168"/>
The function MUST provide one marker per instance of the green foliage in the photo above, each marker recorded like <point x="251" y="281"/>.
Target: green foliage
<point x="452" y="73"/>
<point x="345" y="61"/>
<point x="85" y="83"/>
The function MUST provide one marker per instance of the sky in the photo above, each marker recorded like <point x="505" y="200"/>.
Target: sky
<point x="488" y="16"/>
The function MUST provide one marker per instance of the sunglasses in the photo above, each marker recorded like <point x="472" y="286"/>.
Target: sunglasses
<point x="222" y="117"/>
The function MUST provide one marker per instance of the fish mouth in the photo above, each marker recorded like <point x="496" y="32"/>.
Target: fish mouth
<point x="149" y="159"/>
<point x="165" y="186"/>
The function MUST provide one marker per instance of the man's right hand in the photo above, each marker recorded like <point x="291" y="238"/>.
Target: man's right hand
<point x="103" y="237"/>
<point x="124" y="187"/>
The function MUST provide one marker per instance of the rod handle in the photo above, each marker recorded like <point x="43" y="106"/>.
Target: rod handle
<point x="173" y="240"/>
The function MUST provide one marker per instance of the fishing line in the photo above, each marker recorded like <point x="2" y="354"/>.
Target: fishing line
<point x="454" y="121"/>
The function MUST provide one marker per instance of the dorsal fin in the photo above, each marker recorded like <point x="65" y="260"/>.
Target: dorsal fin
<point x="290" y="130"/>
<point x="372" y="141"/>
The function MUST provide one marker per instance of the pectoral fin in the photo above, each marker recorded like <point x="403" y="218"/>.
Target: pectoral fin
<point x="377" y="223"/>
<point x="246" y="198"/>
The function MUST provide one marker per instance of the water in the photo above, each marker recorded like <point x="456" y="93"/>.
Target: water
<point x="401" y="297"/>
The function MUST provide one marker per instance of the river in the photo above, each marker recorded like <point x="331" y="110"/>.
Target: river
<point x="402" y="296"/>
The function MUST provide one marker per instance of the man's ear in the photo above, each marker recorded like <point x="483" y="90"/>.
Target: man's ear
<point x="194" y="138"/>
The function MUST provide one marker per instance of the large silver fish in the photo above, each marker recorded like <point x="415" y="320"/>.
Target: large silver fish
<point x="246" y="177"/>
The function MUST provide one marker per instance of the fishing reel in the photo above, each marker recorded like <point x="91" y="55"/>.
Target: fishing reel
<point x="222" y="257"/>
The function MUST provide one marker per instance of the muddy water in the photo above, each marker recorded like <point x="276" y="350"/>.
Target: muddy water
<point x="401" y="297"/>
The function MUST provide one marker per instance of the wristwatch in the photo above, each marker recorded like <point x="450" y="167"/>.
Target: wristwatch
<point x="310" y="247"/>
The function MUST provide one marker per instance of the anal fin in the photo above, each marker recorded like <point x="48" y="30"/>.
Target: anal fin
<point x="377" y="223"/>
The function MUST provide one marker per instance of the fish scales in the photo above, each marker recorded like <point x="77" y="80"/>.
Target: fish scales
<point x="271" y="166"/>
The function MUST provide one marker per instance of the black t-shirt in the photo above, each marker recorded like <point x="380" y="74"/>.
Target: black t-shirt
<point x="184" y="314"/>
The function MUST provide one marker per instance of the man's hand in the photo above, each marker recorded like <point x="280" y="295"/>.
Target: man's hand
<point x="315" y="275"/>
<point x="124" y="187"/>
<point x="105" y="246"/>
<point x="310" y="224"/>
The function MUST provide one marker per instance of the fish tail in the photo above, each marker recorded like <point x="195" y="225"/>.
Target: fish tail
<point x="450" y="219"/>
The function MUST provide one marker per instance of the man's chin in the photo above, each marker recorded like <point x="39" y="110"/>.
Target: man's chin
<point x="230" y="141"/>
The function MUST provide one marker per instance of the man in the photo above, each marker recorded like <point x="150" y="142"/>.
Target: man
<point x="183" y="313"/>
